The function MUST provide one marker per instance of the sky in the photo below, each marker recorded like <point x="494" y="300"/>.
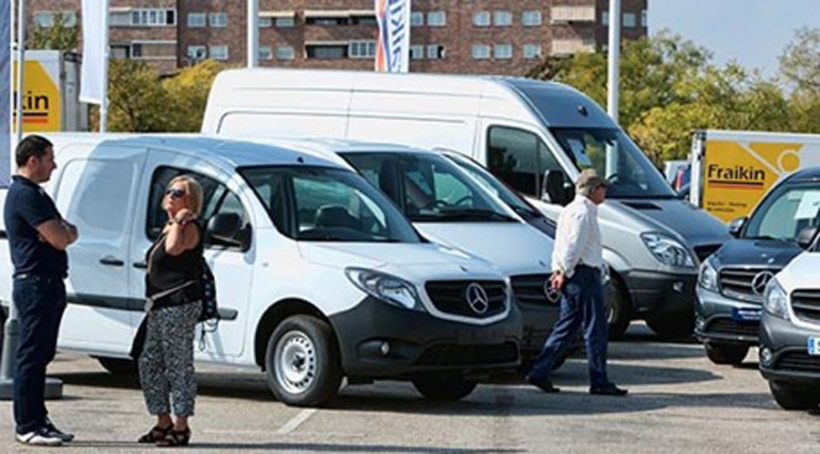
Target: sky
<point x="751" y="32"/>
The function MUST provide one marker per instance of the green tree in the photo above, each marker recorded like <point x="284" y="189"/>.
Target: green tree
<point x="137" y="102"/>
<point x="58" y="37"/>
<point x="800" y="62"/>
<point x="188" y="94"/>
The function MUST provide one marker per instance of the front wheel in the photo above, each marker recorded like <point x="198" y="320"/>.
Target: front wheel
<point x="302" y="362"/>
<point x="618" y="309"/>
<point x="732" y="354"/>
<point x="792" y="398"/>
<point x="444" y="389"/>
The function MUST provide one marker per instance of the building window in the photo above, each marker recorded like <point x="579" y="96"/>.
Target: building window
<point x="416" y="52"/>
<point x="219" y="52"/>
<point x="265" y="22"/>
<point x="532" y="51"/>
<point x="153" y="17"/>
<point x="285" y="53"/>
<point x="46" y="19"/>
<point x="362" y="49"/>
<point x="643" y="19"/>
<point x="285" y="22"/>
<point x="197" y="53"/>
<point x="120" y="51"/>
<point x="481" y="51"/>
<point x="416" y="19"/>
<point x="502" y="51"/>
<point x="629" y="20"/>
<point x="605" y="19"/>
<point x="265" y="53"/>
<point x="327" y="51"/>
<point x="326" y="21"/>
<point x="119" y="19"/>
<point x="369" y="21"/>
<point x="435" y="51"/>
<point x="481" y="19"/>
<point x="196" y="20"/>
<point x="502" y="18"/>
<point x="437" y="19"/>
<point x="531" y="18"/>
<point x="218" y="20"/>
<point x="154" y="50"/>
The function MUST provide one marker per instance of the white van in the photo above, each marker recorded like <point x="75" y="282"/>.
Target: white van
<point x="319" y="275"/>
<point x="449" y="207"/>
<point x="534" y="135"/>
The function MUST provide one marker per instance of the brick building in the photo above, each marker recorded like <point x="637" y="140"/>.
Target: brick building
<point x="447" y="36"/>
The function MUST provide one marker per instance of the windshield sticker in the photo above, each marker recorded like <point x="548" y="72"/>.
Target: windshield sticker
<point x="808" y="205"/>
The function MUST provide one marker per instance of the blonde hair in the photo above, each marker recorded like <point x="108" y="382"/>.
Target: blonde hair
<point x="194" y="191"/>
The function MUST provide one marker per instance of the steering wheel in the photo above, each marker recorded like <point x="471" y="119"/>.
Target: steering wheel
<point x="613" y="178"/>
<point x="466" y="198"/>
<point x="436" y="204"/>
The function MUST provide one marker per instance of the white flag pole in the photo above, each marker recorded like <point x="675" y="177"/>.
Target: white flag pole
<point x="21" y="63"/>
<point x="106" y="53"/>
<point x="614" y="57"/>
<point x="253" y="33"/>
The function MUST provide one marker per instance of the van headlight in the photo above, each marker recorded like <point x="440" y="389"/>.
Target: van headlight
<point x="708" y="276"/>
<point x="668" y="250"/>
<point x="387" y="288"/>
<point x="775" y="300"/>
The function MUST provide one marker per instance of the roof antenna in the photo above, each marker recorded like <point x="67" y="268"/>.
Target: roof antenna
<point x="300" y="160"/>
<point x="582" y="110"/>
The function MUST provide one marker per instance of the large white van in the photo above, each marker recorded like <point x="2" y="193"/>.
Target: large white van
<point x="449" y="207"/>
<point x="319" y="275"/>
<point x="534" y="135"/>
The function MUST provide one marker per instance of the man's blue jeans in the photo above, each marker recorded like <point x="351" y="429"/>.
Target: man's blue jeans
<point x="40" y="303"/>
<point x="582" y="304"/>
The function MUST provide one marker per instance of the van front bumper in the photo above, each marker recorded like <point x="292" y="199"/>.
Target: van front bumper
<point x="656" y="293"/>
<point x="725" y="320"/>
<point x="377" y="340"/>
<point x="784" y="353"/>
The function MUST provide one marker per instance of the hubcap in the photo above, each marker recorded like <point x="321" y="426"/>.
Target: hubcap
<point x="295" y="362"/>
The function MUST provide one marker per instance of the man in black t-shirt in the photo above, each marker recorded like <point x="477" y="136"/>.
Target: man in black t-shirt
<point x="38" y="237"/>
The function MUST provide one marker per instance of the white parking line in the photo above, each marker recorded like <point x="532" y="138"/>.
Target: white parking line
<point x="296" y="421"/>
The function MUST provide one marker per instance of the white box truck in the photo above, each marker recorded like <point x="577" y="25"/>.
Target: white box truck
<point x="536" y="136"/>
<point x="732" y="170"/>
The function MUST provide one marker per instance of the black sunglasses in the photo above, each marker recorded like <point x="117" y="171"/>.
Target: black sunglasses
<point x="175" y="193"/>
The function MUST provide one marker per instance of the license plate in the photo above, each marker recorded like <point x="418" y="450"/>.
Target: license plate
<point x="814" y="346"/>
<point x="745" y="315"/>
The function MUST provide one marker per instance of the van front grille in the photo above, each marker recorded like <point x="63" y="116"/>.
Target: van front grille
<point x="530" y="289"/>
<point x="469" y="355"/>
<point x="806" y="305"/>
<point x="451" y="297"/>
<point x="744" y="284"/>
<point x="798" y="362"/>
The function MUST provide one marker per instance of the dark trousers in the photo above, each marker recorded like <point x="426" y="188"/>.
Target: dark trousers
<point x="40" y="303"/>
<point x="582" y="305"/>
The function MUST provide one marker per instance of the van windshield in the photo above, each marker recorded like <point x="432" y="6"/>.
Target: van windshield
<point x="786" y="211"/>
<point x="429" y="188"/>
<point x="321" y="204"/>
<point x="613" y="154"/>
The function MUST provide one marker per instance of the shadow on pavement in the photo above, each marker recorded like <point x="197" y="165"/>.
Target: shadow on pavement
<point x="290" y="447"/>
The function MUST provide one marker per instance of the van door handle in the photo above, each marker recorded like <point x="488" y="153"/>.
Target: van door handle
<point x="112" y="261"/>
<point x="140" y="265"/>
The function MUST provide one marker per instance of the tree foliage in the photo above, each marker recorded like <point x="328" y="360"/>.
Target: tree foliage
<point x="670" y="87"/>
<point x="189" y="92"/>
<point x="57" y="37"/>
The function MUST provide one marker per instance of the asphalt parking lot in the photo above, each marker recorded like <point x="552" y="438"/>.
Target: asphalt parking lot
<point x="678" y="402"/>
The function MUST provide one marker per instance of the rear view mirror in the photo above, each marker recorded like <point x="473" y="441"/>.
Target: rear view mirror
<point x="806" y="236"/>
<point x="224" y="228"/>
<point x="557" y="189"/>
<point x="736" y="226"/>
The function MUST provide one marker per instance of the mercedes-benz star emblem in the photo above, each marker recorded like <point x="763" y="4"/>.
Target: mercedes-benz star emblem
<point x="551" y="293"/>
<point x="477" y="298"/>
<point x="760" y="281"/>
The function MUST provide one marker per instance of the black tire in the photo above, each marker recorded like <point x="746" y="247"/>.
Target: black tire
<point x="618" y="307"/>
<point x="119" y="366"/>
<point x="732" y="354"/>
<point x="444" y="389"/>
<point x="302" y="362"/>
<point x="792" y="398"/>
<point x="673" y="325"/>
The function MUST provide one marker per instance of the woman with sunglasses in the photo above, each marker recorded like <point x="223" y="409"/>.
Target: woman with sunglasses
<point x="173" y="293"/>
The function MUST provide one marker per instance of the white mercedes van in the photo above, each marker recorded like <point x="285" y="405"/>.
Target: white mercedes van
<point x="319" y="275"/>
<point x="536" y="136"/>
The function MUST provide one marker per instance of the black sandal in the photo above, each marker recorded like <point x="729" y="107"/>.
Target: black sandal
<point x="176" y="438"/>
<point x="155" y="434"/>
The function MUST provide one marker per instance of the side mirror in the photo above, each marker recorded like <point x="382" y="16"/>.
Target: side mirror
<point x="224" y="228"/>
<point x="806" y="236"/>
<point x="556" y="189"/>
<point x="736" y="226"/>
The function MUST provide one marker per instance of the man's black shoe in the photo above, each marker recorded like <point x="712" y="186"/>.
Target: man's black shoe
<point x="608" y="390"/>
<point x="543" y="384"/>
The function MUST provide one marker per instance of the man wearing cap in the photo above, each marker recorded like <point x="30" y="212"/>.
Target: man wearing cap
<point x="577" y="260"/>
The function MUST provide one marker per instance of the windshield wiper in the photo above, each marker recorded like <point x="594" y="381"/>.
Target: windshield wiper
<point x="479" y="213"/>
<point x="761" y="237"/>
